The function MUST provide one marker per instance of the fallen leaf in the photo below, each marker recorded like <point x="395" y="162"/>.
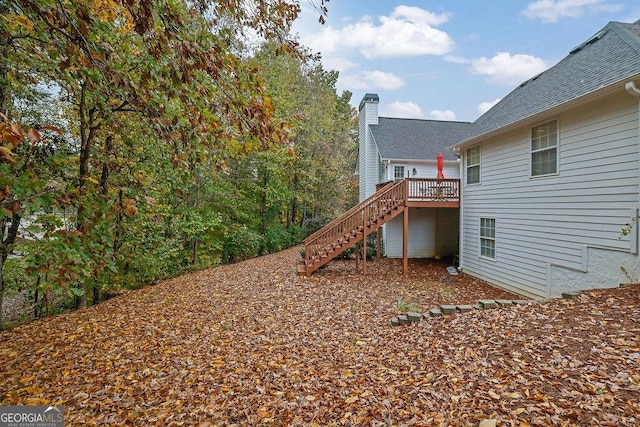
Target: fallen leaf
<point x="493" y="395"/>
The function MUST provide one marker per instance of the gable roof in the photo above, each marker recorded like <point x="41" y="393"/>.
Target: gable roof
<point x="611" y="56"/>
<point x="415" y="139"/>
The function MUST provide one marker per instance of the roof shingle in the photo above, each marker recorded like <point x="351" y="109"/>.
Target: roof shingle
<point x="417" y="139"/>
<point x="612" y="55"/>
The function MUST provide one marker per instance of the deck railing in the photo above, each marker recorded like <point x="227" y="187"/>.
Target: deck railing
<point x="368" y="215"/>
<point x="433" y="189"/>
<point x="355" y="219"/>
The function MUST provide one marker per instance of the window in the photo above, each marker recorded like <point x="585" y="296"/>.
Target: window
<point x="398" y="173"/>
<point x="544" y="149"/>
<point x="473" y="165"/>
<point x="382" y="172"/>
<point x="488" y="237"/>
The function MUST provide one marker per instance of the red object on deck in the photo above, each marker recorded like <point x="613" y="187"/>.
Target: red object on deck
<point x="440" y="175"/>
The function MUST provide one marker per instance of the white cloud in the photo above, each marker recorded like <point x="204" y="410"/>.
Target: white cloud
<point x="443" y="115"/>
<point x="338" y="63"/>
<point x="372" y="80"/>
<point x="553" y="10"/>
<point x="505" y="69"/>
<point x="457" y="59"/>
<point x="405" y="110"/>
<point x="408" y="31"/>
<point x="486" y="106"/>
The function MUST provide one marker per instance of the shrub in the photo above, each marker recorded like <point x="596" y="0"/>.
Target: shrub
<point x="240" y="244"/>
<point x="280" y="238"/>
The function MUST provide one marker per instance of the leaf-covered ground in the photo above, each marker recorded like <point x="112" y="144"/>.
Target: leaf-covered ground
<point x="254" y="344"/>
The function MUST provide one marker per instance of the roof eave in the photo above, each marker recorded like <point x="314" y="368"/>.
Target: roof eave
<point x="394" y="160"/>
<point x="532" y="119"/>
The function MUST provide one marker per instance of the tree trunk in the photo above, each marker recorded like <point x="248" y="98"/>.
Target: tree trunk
<point x="194" y="255"/>
<point x="5" y="244"/>
<point x="96" y="295"/>
<point x="263" y="210"/>
<point x="2" y="291"/>
<point x="81" y="300"/>
<point x="294" y="202"/>
<point x="5" y="39"/>
<point x="196" y="205"/>
<point x="4" y="96"/>
<point x="104" y="177"/>
<point x="118" y="241"/>
<point x="86" y="138"/>
<point x="104" y="191"/>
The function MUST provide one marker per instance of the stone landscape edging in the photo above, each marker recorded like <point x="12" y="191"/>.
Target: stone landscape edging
<point x="447" y="310"/>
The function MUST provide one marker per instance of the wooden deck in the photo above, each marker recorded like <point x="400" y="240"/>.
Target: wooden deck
<point x="390" y="200"/>
<point x="431" y="192"/>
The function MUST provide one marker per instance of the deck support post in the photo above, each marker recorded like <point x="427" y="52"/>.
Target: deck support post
<point x="405" y="242"/>
<point x="370" y="214"/>
<point x="364" y="243"/>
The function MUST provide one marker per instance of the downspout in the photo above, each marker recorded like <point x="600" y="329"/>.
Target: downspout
<point x="460" y="213"/>
<point x="633" y="90"/>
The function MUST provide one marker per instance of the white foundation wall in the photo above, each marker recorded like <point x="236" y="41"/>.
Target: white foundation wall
<point x="432" y="232"/>
<point x="604" y="269"/>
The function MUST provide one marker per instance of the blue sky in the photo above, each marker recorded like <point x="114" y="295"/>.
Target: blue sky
<point x="453" y="59"/>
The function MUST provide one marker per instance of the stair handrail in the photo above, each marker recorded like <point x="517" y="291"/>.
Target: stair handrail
<point x="353" y="209"/>
<point x="360" y="212"/>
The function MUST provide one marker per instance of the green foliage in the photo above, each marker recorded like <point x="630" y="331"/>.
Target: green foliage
<point x="279" y="238"/>
<point x="371" y="252"/>
<point x="148" y="256"/>
<point x="14" y="276"/>
<point x="241" y="244"/>
<point x="631" y="276"/>
<point x="407" y="305"/>
<point x="347" y="254"/>
<point x="156" y="144"/>
<point x="628" y="227"/>
<point x="315" y="223"/>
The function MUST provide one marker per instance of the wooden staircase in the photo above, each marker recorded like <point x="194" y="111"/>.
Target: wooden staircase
<point x="354" y="225"/>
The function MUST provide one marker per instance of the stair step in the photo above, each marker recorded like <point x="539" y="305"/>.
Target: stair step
<point x="377" y="211"/>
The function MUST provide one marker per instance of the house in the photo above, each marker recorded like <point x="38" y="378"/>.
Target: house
<point x="549" y="177"/>
<point x="407" y="187"/>
<point x="392" y="149"/>
<point x="551" y="174"/>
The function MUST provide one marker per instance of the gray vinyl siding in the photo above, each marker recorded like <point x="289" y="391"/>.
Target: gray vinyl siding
<point x="368" y="152"/>
<point x="362" y="156"/>
<point x="543" y="221"/>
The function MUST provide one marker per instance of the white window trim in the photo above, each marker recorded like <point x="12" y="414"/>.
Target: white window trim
<point x="404" y="169"/>
<point x="466" y="166"/>
<point x="481" y="237"/>
<point x="557" y="172"/>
